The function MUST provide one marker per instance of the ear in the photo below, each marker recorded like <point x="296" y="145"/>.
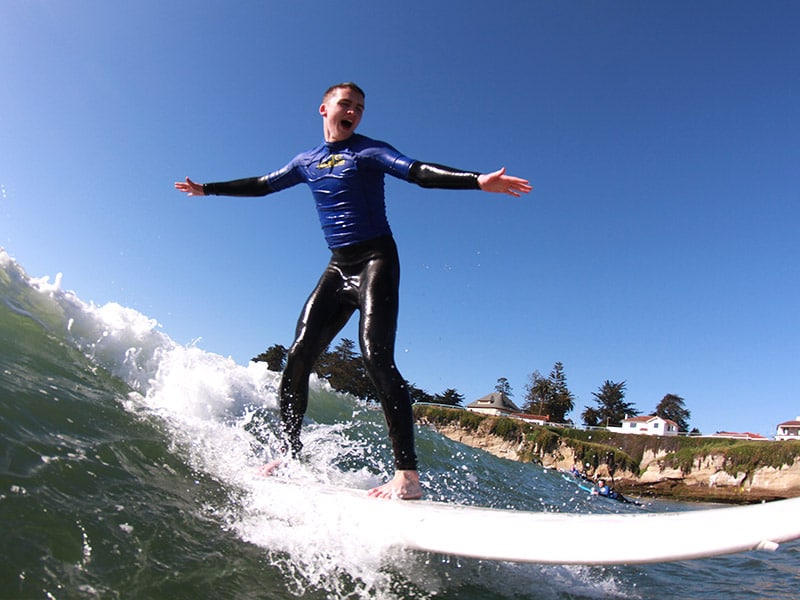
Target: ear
<point x="323" y="109"/>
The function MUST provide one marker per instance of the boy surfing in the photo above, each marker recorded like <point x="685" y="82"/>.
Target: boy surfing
<point x="345" y="173"/>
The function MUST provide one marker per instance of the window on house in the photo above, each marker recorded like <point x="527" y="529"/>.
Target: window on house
<point x="655" y="425"/>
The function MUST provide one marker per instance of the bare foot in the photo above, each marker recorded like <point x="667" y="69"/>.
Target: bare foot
<point x="269" y="468"/>
<point x="404" y="486"/>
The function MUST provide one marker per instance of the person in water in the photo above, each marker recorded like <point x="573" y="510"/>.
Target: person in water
<point x="603" y="489"/>
<point x="345" y="174"/>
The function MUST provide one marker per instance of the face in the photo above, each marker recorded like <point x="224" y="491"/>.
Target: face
<point x="341" y="113"/>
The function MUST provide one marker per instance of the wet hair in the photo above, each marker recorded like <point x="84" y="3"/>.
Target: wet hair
<point x="346" y="84"/>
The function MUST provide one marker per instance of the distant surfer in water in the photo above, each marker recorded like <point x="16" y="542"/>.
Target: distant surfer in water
<point x="345" y="174"/>
<point x="603" y="489"/>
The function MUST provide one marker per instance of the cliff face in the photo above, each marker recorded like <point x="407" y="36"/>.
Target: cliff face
<point x="485" y="441"/>
<point x="706" y="480"/>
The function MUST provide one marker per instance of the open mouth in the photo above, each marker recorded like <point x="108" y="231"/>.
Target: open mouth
<point x="346" y="123"/>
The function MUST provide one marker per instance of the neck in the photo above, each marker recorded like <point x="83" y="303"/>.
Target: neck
<point x="331" y="140"/>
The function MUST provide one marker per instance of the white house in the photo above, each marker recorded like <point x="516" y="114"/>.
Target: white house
<point x="496" y="403"/>
<point x="790" y="430"/>
<point x="649" y="425"/>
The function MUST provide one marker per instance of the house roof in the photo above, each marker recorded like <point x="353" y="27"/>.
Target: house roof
<point x="531" y="417"/>
<point x="648" y="419"/>
<point x="747" y="435"/>
<point x="637" y="419"/>
<point x="497" y="400"/>
<point x="789" y="424"/>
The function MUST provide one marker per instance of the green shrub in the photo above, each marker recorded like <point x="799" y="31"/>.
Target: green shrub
<point x="543" y="440"/>
<point x="509" y="429"/>
<point x="746" y="457"/>
<point x="739" y="457"/>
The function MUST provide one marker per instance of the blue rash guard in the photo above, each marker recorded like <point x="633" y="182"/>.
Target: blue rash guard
<point x="346" y="179"/>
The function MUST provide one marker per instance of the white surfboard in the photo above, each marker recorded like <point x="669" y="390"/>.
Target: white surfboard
<point x="560" y="538"/>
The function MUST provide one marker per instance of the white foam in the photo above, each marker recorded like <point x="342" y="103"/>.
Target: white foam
<point x="205" y="399"/>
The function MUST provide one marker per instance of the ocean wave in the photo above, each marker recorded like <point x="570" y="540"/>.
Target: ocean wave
<point x="129" y="468"/>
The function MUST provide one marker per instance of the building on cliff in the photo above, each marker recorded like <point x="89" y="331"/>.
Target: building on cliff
<point x="790" y="430"/>
<point x="649" y="425"/>
<point x="496" y="403"/>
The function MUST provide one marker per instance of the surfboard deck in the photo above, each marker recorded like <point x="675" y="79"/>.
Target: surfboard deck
<point x="561" y="538"/>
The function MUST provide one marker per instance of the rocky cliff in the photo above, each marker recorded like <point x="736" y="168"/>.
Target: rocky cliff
<point x="708" y="478"/>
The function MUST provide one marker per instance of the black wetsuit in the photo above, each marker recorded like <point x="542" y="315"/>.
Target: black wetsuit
<point x="363" y="274"/>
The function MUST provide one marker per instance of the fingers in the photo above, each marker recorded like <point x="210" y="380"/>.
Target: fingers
<point x="501" y="183"/>
<point x="516" y="186"/>
<point x="189" y="187"/>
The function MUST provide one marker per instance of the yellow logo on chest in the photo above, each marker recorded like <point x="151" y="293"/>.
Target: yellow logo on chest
<point x="334" y="160"/>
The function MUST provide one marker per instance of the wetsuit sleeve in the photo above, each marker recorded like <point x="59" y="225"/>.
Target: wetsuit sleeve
<point x="257" y="186"/>
<point x="424" y="174"/>
<point x="431" y="175"/>
<point x="251" y="186"/>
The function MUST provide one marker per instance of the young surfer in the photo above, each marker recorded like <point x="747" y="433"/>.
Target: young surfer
<point x="345" y="174"/>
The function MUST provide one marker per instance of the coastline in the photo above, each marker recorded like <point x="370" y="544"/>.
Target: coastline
<point x="706" y="481"/>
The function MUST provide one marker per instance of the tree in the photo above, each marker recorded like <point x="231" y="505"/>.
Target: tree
<point x="275" y="357"/>
<point x="549" y="396"/>
<point x="450" y="397"/>
<point x="539" y="391"/>
<point x="418" y="394"/>
<point x="503" y="387"/>
<point x="611" y="407"/>
<point x="672" y="407"/>
<point x="562" y="401"/>
<point x="591" y="417"/>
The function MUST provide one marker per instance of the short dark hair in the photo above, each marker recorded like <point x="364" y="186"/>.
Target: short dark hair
<point x="346" y="84"/>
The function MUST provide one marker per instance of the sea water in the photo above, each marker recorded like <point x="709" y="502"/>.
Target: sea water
<point x="129" y="469"/>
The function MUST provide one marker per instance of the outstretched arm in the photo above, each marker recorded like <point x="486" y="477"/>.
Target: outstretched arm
<point x="431" y="175"/>
<point x="251" y="186"/>
<point x="501" y="183"/>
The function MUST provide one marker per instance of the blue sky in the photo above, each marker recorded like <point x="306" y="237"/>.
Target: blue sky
<point x="658" y="247"/>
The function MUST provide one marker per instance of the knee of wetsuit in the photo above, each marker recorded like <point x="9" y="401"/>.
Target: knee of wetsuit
<point x="378" y="359"/>
<point x="295" y="353"/>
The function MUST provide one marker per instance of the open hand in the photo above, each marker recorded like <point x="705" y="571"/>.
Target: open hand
<point x="500" y="183"/>
<point x="190" y="187"/>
